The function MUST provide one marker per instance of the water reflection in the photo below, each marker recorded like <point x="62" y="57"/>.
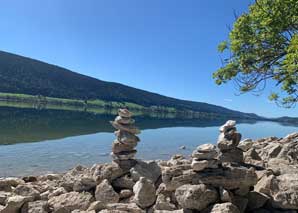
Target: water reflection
<point x="21" y="125"/>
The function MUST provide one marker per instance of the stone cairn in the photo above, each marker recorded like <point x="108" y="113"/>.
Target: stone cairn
<point x="208" y="156"/>
<point x="123" y="148"/>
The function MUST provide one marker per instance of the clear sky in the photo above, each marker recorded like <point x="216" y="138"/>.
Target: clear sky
<point x="163" y="46"/>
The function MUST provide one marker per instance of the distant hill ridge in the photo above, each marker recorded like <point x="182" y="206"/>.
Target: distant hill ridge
<point x="24" y="75"/>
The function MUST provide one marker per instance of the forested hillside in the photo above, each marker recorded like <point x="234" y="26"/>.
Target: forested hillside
<point x="23" y="75"/>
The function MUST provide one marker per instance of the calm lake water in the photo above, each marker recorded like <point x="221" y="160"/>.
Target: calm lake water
<point x="42" y="141"/>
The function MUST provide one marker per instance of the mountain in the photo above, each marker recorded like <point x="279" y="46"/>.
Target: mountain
<point x="24" y="75"/>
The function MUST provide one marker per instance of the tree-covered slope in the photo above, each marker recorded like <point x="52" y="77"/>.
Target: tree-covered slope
<point x="23" y="75"/>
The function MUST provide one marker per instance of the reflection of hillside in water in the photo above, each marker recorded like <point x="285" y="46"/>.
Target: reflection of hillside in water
<point x="30" y="125"/>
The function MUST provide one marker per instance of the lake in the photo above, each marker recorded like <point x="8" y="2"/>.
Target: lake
<point x="45" y="141"/>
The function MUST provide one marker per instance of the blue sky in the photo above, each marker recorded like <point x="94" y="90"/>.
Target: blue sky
<point x="163" y="46"/>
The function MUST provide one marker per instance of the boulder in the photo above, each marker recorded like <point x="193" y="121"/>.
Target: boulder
<point x="70" y="201"/>
<point x="105" y="193"/>
<point x="107" y="171"/>
<point x="144" y="191"/>
<point x="27" y="190"/>
<point x="14" y="204"/>
<point x="196" y="197"/>
<point x="150" y="170"/>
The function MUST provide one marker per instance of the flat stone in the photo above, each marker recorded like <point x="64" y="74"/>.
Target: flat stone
<point x="126" y="137"/>
<point x="123" y="120"/>
<point x="206" y="148"/>
<point x="124" y="155"/>
<point x="118" y="147"/>
<point x="229" y="177"/>
<point x="199" y="165"/>
<point x="124" y="113"/>
<point x="128" y="128"/>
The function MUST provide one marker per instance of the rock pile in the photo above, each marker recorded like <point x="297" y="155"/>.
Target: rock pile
<point x="227" y="143"/>
<point x="214" y="180"/>
<point x="123" y="148"/>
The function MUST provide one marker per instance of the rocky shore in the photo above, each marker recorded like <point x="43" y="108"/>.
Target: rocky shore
<point x="231" y="177"/>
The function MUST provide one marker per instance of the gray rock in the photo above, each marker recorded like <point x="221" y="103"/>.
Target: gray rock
<point x="245" y="145"/>
<point x="27" y="191"/>
<point x="124" y="113"/>
<point x="110" y="172"/>
<point x="144" y="191"/>
<point x="164" y="203"/>
<point x="70" y="201"/>
<point x="223" y="208"/>
<point x="199" y="165"/>
<point x="118" y="147"/>
<point x="3" y="197"/>
<point x="149" y="170"/>
<point x="105" y="193"/>
<point x="228" y="125"/>
<point x="125" y="193"/>
<point x="124" y="182"/>
<point x="196" y="197"/>
<point x="35" y="207"/>
<point x="232" y="155"/>
<point x="122" y="207"/>
<point x="256" y="200"/>
<point x="205" y="152"/>
<point x="224" y="195"/>
<point x="14" y="204"/>
<point x="127" y="138"/>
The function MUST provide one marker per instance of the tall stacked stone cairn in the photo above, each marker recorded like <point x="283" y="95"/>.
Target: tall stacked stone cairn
<point x="227" y="143"/>
<point x="123" y="148"/>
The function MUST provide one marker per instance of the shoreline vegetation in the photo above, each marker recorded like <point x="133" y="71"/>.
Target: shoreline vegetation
<point x="101" y="107"/>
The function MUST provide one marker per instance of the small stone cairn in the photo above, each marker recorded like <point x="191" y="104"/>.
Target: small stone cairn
<point x="227" y="143"/>
<point x="123" y="148"/>
<point x="209" y="156"/>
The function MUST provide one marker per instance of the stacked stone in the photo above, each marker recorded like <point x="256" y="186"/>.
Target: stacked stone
<point x="227" y="143"/>
<point x="205" y="156"/>
<point x="123" y="148"/>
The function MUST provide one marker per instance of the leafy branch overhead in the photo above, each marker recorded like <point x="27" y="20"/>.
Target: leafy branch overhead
<point x="262" y="46"/>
